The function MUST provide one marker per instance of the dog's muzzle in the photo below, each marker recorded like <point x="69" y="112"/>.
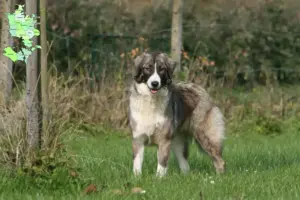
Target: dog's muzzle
<point x="154" y="87"/>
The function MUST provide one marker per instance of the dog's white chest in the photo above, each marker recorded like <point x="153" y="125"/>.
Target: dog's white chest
<point x="147" y="114"/>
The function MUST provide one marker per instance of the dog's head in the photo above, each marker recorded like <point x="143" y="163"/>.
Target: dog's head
<point x="155" y="70"/>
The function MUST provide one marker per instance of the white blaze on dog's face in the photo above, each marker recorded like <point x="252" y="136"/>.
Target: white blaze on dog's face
<point x="154" y="71"/>
<point x="154" y="81"/>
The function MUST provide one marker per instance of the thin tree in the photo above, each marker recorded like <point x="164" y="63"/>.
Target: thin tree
<point x="5" y="63"/>
<point x="44" y="72"/>
<point x="32" y="90"/>
<point x="176" y="38"/>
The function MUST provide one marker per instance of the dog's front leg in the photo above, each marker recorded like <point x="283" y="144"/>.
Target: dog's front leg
<point x="163" y="154"/>
<point x="138" y="156"/>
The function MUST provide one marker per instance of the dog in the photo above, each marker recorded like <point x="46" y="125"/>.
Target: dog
<point x="170" y="114"/>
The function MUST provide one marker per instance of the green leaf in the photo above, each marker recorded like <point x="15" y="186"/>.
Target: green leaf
<point x="10" y="53"/>
<point x="36" y="32"/>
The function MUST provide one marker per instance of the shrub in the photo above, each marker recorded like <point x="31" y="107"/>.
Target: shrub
<point x="250" y="42"/>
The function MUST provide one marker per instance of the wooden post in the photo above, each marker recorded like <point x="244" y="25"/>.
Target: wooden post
<point x="176" y="39"/>
<point x="32" y="90"/>
<point x="44" y="63"/>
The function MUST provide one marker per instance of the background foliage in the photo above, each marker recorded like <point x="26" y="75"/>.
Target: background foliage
<point x="249" y="41"/>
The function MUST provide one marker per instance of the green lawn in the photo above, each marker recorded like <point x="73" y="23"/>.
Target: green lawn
<point x="258" y="167"/>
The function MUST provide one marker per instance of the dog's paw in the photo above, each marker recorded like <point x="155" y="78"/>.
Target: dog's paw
<point x="137" y="173"/>
<point x="161" y="171"/>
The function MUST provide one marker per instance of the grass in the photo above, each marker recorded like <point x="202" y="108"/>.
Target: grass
<point x="259" y="167"/>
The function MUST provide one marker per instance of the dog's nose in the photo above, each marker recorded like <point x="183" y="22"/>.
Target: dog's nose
<point x="154" y="83"/>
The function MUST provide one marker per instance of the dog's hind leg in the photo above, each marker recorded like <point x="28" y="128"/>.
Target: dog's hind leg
<point x="209" y="134"/>
<point x="214" y="150"/>
<point x="180" y="147"/>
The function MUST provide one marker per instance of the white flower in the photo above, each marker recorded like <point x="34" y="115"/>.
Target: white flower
<point x="212" y="182"/>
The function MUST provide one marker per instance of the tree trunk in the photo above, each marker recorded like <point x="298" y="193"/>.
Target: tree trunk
<point x="9" y="77"/>
<point x="176" y="40"/>
<point x="5" y="63"/>
<point x="32" y="89"/>
<point x="44" y="71"/>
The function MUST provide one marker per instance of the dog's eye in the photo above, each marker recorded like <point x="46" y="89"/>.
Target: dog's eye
<point x="161" y="70"/>
<point x="147" y="70"/>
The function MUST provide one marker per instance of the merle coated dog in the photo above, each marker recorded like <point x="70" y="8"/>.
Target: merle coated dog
<point x="170" y="114"/>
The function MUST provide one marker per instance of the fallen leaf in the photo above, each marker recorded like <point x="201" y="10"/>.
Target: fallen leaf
<point x="138" y="190"/>
<point x="73" y="174"/>
<point x="91" y="188"/>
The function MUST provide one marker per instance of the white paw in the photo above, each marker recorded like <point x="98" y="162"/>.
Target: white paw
<point x="161" y="171"/>
<point x="185" y="168"/>
<point x="137" y="172"/>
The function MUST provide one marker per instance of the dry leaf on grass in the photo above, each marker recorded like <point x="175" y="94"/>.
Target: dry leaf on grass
<point x="90" y="189"/>
<point x="138" y="190"/>
<point x="73" y="174"/>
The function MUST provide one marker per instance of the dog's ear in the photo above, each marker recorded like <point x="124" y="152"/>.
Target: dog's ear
<point x="138" y="63"/>
<point x="171" y="64"/>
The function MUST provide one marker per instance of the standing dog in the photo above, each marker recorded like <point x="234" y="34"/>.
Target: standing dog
<point x="168" y="114"/>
